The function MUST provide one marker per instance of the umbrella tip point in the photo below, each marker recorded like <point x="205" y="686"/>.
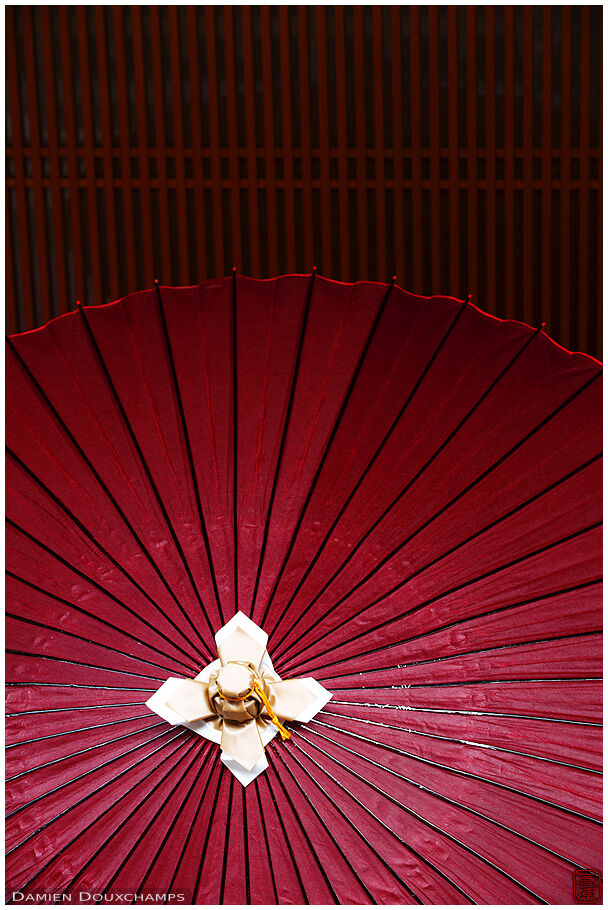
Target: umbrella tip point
<point x="234" y="270"/>
<point x="156" y="282"/>
<point x="393" y="279"/>
<point x="78" y="304"/>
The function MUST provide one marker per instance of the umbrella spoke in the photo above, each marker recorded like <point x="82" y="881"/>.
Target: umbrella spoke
<point x="453" y="590"/>
<point x="142" y="660"/>
<point x="93" y="770"/>
<point x="95" y="543"/>
<point x="142" y="547"/>
<point x="151" y="481"/>
<point x="337" y="422"/>
<point x="84" y="576"/>
<point x="409" y="811"/>
<point x="186" y="436"/>
<point x="461" y="773"/>
<point x="447" y="506"/>
<point x="201" y="754"/>
<point x="389" y="830"/>
<point x="440" y="796"/>
<point x="286" y="425"/>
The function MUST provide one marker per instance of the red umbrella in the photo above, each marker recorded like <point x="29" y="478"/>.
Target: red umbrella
<point x="404" y="493"/>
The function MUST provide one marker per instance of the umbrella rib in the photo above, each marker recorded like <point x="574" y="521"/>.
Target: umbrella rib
<point x="127" y="793"/>
<point x="453" y="739"/>
<point x="350" y="822"/>
<point x="474" y="682"/>
<point x="265" y="833"/>
<point x="92" y="581"/>
<point x="337" y="422"/>
<point x="366" y="471"/>
<point x="142" y="660"/>
<point x="443" y="509"/>
<point x="96" y="746"/>
<point x="327" y="829"/>
<point x="414" y="814"/>
<point x="53" y="410"/>
<point x="287" y="842"/>
<point x="126" y="704"/>
<point x="308" y="839"/>
<point x="486" y="613"/>
<point x="110" y="723"/>
<point x="76" y="686"/>
<point x="246" y="846"/>
<point x="186" y="435"/>
<point x="88" y="796"/>
<point x="443" y="797"/>
<point x="80" y="663"/>
<point x="226" y="840"/>
<point x="449" y="552"/>
<point x="235" y="422"/>
<point x="286" y="424"/>
<point x="99" y="619"/>
<point x="438" y="597"/>
<point x="105" y="764"/>
<point x="461" y="773"/>
<point x="206" y="842"/>
<point x="151" y="481"/>
<point x="99" y="546"/>
<point x="213" y="759"/>
<point x="366" y="704"/>
<point x="182" y="758"/>
<point x="432" y="660"/>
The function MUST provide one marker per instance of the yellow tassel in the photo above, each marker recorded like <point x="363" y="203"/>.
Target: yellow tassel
<point x="285" y="734"/>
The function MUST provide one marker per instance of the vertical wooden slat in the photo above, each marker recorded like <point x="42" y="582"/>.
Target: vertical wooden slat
<point x="71" y="144"/>
<point x="528" y="190"/>
<point x="286" y="118"/>
<point x="125" y="152"/>
<point x="472" y="238"/>
<point x="546" y="172"/>
<point x="584" y="149"/>
<point x="414" y="13"/>
<point x="66" y="219"/>
<point x="161" y="213"/>
<point x="269" y="141"/>
<point x="44" y="295"/>
<point x="12" y="317"/>
<point x="377" y="69"/>
<point x="323" y="88"/>
<point x="194" y="69"/>
<point x="214" y="140"/>
<point x="250" y="133"/>
<point x="233" y="159"/>
<point x="106" y="144"/>
<point x="89" y="153"/>
<point x="305" y="144"/>
<point x="454" y="233"/>
<point x="48" y="71"/>
<point x="397" y="115"/>
<point x="509" y="270"/>
<point x="144" y="142"/>
<point x="178" y="145"/>
<point x="434" y="148"/>
<point x="565" y="229"/>
<point x="490" y="115"/>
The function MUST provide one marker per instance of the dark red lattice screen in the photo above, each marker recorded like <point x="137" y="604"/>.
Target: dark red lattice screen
<point x="458" y="147"/>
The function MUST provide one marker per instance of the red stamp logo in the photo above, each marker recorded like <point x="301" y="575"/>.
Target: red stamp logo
<point x="587" y="887"/>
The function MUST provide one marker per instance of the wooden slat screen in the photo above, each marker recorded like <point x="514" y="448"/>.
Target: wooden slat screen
<point x="457" y="147"/>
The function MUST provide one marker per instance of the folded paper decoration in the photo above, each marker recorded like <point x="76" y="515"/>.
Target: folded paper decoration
<point x="239" y="700"/>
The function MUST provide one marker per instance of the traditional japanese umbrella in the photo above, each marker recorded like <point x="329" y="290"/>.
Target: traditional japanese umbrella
<point x="404" y="494"/>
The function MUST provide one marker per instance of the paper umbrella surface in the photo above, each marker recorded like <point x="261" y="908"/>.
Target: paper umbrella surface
<point x="403" y="493"/>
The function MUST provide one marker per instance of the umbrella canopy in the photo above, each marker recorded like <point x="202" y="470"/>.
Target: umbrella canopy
<point x="404" y="494"/>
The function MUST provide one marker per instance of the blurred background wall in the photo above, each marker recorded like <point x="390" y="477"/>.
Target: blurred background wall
<point x="458" y="147"/>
